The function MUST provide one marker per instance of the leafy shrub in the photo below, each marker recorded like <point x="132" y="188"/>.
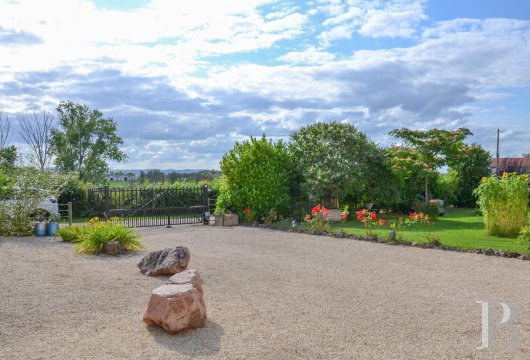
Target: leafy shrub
<point x="70" y="233"/>
<point x="524" y="238"/>
<point x="76" y="192"/>
<point x="474" y="164"/>
<point x="337" y="160"/>
<point x="318" y="219"/>
<point x="93" y="237"/>
<point x="504" y="203"/>
<point x="430" y="209"/>
<point x="256" y="174"/>
<point x="445" y="187"/>
<point x="25" y="189"/>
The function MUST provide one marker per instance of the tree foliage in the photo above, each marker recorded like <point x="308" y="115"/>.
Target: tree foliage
<point x="85" y="142"/>
<point x="8" y="158"/>
<point x="26" y="189"/>
<point x="338" y="160"/>
<point x="426" y="151"/>
<point x="473" y="165"/>
<point x="256" y="174"/>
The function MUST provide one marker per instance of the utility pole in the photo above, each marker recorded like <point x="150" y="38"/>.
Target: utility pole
<point x="497" y="165"/>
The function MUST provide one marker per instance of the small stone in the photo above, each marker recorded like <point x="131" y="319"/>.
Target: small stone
<point x="525" y="257"/>
<point x="114" y="248"/>
<point x="165" y="262"/>
<point x="489" y="252"/>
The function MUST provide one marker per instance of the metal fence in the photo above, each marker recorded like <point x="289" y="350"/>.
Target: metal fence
<point x="139" y="207"/>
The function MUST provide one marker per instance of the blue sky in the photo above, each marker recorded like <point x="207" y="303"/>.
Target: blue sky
<point x="184" y="80"/>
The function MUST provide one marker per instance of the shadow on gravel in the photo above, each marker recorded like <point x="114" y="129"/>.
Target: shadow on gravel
<point x="193" y="343"/>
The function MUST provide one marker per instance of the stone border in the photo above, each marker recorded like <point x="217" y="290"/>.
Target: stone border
<point x="344" y="235"/>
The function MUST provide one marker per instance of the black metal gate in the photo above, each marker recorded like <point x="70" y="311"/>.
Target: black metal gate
<point x="140" y="207"/>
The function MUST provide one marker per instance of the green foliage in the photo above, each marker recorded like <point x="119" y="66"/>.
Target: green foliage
<point x="256" y="174"/>
<point x="524" y="238"/>
<point x="430" y="209"/>
<point x="337" y="160"/>
<point x="425" y="151"/>
<point x="70" y="233"/>
<point x="76" y="192"/>
<point x="504" y="203"/>
<point x="445" y="187"/>
<point x="153" y="176"/>
<point x="93" y="237"/>
<point x="473" y="165"/>
<point x="8" y="157"/>
<point x="317" y="220"/>
<point x="85" y="142"/>
<point x="27" y="187"/>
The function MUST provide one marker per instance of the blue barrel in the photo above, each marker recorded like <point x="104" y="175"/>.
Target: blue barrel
<point x="51" y="228"/>
<point x="40" y="229"/>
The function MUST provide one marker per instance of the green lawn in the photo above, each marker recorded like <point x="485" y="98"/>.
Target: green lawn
<point x="459" y="227"/>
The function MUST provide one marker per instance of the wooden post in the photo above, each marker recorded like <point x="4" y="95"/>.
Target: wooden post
<point x="70" y="212"/>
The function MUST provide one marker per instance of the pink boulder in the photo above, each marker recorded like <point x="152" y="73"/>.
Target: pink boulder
<point x="178" y="304"/>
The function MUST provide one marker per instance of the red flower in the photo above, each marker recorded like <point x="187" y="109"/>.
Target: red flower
<point x="401" y="218"/>
<point x="315" y="210"/>
<point x="325" y="212"/>
<point x="247" y="210"/>
<point x="374" y="217"/>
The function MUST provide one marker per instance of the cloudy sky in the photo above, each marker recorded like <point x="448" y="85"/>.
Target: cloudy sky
<point x="185" y="79"/>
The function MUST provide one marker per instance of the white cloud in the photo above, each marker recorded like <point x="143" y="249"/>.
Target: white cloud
<point x="157" y="70"/>
<point x="162" y="37"/>
<point x="311" y="55"/>
<point x="391" y="19"/>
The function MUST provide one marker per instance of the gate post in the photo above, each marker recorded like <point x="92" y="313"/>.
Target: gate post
<point x="106" y="194"/>
<point x="205" y="204"/>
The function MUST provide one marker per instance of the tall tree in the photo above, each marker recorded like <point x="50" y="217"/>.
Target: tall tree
<point x="8" y="154"/>
<point x="155" y="176"/>
<point x="85" y="142"/>
<point x="470" y="169"/>
<point x="426" y="151"/>
<point x="337" y="160"/>
<point x="5" y="130"/>
<point x="35" y="129"/>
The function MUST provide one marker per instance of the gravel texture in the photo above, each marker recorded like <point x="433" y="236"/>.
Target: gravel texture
<point x="269" y="295"/>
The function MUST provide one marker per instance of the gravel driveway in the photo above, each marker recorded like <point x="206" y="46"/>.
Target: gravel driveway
<point x="269" y="295"/>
